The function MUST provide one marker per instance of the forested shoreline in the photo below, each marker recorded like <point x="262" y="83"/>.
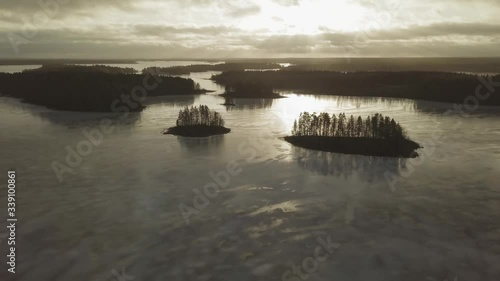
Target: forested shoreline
<point x="431" y="86"/>
<point x="250" y="90"/>
<point x="83" y="68"/>
<point x="92" y="89"/>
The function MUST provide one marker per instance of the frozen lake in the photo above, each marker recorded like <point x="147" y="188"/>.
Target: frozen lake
<point x="119" y="208"/>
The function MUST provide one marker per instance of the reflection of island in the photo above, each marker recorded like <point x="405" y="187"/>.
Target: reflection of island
<point x="229" y="102"/>
<point x="438" y="109"/>
<point x="78" y="119"/>
<point x="198" y="122"/>
<point x="203" y="144"/>
<point x="74" y="119"/>
<point x="375" y="136"/>
<point x="251" y="104"/>
<point x="170" y="101"/>
<point x="369" y="168"/>
<point x="250" y="90"/>
<point x="359" y="102"/>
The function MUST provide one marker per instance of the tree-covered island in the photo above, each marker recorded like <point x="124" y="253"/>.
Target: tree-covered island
<point x="198" y="121"/>
<point x="374" y="136"/>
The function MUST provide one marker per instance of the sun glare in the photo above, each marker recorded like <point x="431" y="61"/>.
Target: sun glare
<point x="290" y="108"/>
<point x="309" y="17"/>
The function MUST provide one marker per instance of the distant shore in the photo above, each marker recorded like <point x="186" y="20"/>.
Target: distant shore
<point x="443" y="64"/>
<point x="417" y="85"/>
<point x="267" y="96"/>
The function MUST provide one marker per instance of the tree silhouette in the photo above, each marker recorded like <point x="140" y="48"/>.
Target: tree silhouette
<point x="199" y="115"/>
<point x="359" y="127"/>
<point x="376" y="126"/>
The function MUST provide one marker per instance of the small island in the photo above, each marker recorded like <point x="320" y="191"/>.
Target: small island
<point x="198" y="122"/>
<point x="250" y="90"/>
<point x="374" y="136"/>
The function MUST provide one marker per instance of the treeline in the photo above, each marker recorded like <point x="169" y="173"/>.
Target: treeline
<point x="376" y="126"/>
<point x="83" y="68"/>
<point x="433" y="86"/>
<point x="249" y="90"/>
<point x="185" y="70"/>
<point x="450" y="64"/>
<point x="199" y="115"/>
<point x="87" y="90"/>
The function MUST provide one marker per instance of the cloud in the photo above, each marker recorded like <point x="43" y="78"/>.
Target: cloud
<point x="287" y="3"/>
<point x="25" y="7"/>
<point x="205" y="28"/>
<point x="446" y="28"/>
<point x="161" y="30"/>
<point x="393" y="3"/>
<point x="416" y="32"/>
<point x="243" y="11"/>
<point x="440" y="39"/>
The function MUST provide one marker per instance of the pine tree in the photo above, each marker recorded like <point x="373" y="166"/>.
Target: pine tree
<point x="359" y="127"/>
<point x="200" y="115"/>
<point x="333" y="125"/>
<point x="368" y="127"/>
<point x="351" y="126"/>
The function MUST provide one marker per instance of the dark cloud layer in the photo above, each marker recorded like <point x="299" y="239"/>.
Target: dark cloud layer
<point x="206" y="28"/>
<point x="32" y="6"/>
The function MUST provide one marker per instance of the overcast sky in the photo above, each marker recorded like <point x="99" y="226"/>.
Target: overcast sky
<point x="246" y="28"/>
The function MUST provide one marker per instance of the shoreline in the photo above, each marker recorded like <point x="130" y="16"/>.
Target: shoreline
<point x="196" y="131"/>
<point x="402" y="148"/>
<point x="275" y="96"/>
